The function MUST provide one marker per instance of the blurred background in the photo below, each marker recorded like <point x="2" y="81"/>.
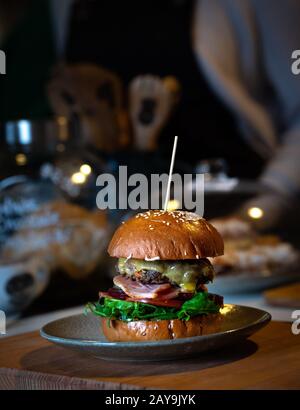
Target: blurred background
<point x="92" y="85"/>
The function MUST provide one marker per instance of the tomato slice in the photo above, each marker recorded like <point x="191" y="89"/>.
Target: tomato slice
<point x="111" y="293"/>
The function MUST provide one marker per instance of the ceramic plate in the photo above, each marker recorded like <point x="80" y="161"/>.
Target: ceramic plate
<point x="251" y="281"/>
<point x="84" y="334"/>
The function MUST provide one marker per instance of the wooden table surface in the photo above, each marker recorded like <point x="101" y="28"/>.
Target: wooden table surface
<point x="270" y="359"/>
<point x="284" y="296"/>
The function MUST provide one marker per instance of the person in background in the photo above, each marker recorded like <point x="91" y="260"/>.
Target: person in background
<point x="244" y="48"/>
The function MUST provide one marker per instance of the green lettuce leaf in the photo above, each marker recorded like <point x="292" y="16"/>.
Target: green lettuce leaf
<point x="123" y="310"/>
<point x="200" y="304"/>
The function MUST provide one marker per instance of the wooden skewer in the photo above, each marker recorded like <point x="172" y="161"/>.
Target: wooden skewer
<point x="171" y="173"/>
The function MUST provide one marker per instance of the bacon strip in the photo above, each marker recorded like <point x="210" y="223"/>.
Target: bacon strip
<point x="137" y="290"/>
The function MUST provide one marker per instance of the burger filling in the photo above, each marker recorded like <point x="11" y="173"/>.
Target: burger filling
<point x="158" y="290"/>
<point x="186" y="274"/>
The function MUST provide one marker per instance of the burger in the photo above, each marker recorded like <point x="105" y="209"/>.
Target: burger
<point x="160" y="288"/>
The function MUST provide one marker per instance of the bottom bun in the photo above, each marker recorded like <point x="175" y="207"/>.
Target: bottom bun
<point x="144" y="330"/>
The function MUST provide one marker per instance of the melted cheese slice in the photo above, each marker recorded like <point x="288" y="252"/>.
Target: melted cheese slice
<point x="184" y="274"/>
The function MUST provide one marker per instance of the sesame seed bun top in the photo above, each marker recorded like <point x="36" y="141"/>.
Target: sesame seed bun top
<point x="166" y="235"/>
